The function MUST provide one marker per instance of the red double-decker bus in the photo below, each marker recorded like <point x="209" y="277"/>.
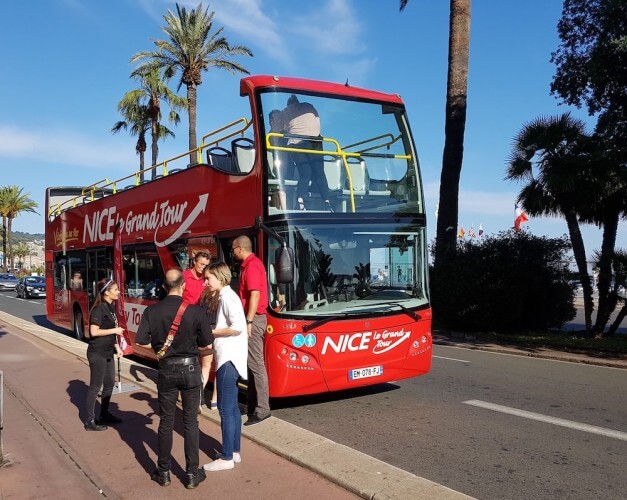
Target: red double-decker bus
<point x="347" y="266"/>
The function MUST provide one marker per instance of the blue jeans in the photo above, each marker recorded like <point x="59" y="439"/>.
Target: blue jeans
<point x="226" y="378"/>
<point x="102" y="374"/>
<point x="187" y="380"/>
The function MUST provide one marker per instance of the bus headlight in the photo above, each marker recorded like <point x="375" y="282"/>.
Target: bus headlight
<point x="293" y="356"/>
<point x="305" y="359"/>
<point x="416" y="344"/>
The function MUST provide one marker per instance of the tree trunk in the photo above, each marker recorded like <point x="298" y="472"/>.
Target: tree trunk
<point x="606" y="305"/>
<point x="619" y="319"/>
<point x="456" y="93"/>
<point x="155" y="147"/>
<point x="4" y="244"/>
<point x="579" y="251"/>
<point x="8" y="234"/>
<point x="193" y="143"/>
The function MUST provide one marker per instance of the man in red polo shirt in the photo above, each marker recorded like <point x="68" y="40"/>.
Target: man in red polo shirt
<point x="253" y="292"/>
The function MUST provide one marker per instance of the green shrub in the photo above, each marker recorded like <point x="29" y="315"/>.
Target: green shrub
<point x="511" y="282"/>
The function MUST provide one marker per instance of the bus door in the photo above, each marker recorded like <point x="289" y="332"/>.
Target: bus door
<point x="99" y="266"/>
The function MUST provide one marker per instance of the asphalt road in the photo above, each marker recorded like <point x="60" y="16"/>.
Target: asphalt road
<point x="486" y="424"/>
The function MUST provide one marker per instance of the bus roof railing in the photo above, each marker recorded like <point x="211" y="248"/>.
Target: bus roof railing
<point x="89" y="193"/>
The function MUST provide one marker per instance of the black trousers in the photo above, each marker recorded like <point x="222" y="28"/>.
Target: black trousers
<point x="187" y="380"/>
<point x="102" y="374"/>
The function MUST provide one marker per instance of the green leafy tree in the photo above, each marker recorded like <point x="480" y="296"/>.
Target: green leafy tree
<point x="591" y="71"/>
<point x="151" y="92"/>
<point x="21" y="250"/>
<point x="13" y="202"/>
<point x="137" y="121"/>
<point x="456" y="96"/>
<point x="510" y="282"/>
<point x="192" y="48"/>
<point x="550" y="155"/>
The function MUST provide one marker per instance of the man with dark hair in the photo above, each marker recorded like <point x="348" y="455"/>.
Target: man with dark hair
<point x="194" y="279"/>
<point x="253" y="292"/>
<point x="176" y="331"/>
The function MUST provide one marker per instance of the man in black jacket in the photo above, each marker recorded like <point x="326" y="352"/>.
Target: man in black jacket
<point x="177" y="331"/>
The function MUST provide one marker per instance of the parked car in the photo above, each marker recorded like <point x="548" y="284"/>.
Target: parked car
<point x="7" y="281"/>
<point x="31" y="286"/>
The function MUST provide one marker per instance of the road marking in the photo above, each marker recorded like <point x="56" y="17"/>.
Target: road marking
<point x="549" y="420"/>
<point x="453" y="359"/>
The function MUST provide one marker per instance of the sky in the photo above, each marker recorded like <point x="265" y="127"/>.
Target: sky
<point x="66" y="66"/>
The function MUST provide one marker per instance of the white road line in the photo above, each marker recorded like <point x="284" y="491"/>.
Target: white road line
<point x="549" y="420"/>
<point x="452" y="359"/>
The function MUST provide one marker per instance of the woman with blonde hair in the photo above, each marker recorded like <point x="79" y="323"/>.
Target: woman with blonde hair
<point x="103" y="335"/>
<point x="231" y="356"/>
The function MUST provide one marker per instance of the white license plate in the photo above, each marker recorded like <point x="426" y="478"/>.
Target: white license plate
<point x="370" y="371"/>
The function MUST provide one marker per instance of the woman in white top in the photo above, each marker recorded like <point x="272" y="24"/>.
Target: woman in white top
<point x="231" y="357"/>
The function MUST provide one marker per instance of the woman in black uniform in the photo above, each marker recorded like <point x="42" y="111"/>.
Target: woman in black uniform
<point x="103" y="334"/>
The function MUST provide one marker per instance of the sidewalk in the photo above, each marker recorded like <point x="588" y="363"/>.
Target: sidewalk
<point x="52" y="456"/>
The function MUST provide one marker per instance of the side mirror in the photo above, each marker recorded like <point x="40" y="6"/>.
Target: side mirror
<point x="284" y="265"/>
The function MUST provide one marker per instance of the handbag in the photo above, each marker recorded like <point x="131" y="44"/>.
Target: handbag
<point x="174" y="328"/>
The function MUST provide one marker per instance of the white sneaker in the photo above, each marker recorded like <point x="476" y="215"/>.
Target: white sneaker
<point x="237" y="458"/>
<point x="219" y="464"/>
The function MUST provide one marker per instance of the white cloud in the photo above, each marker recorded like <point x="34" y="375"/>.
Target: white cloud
<point x="331" y="29"/>
<point x="63" y="147"/>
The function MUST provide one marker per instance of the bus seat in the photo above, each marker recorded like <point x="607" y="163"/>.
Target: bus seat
<point x="359" y="176"/>
<point x="220" y="159"/>
<point x="243" y="150"/>
<point x="334" y="172"/>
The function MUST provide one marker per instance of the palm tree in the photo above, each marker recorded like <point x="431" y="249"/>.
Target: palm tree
<point x="136" y="119"/>
<point x="21" y="250"/>
<point x="456" y="94"/>
<point x="15" y="202"/>
<point x="191" y="49"/>
<point x="4" y="211"/>
<point x="552" y="155"/>
<point x="151" y="92"/>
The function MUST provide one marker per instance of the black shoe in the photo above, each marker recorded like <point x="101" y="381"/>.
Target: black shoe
<point x="93" y="426"/>
<point x="255" y="419"/>
<point x="108" y="418"/>
<point x="193" y="480"/>
<point x="163" y="478"/>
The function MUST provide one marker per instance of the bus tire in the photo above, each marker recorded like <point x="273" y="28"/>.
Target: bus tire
<point x="79" y="325"/>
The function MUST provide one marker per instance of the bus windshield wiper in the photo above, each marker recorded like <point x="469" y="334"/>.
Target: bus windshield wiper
<point x="413" y="315"/>
<point x="322" y="321"/>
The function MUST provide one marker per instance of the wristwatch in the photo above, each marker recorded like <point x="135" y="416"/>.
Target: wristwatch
<point x="249" y="322"/>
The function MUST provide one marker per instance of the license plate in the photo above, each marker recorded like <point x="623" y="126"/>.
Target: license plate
<point x="370" y="371"/>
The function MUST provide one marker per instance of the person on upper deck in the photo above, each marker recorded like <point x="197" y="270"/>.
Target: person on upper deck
<point x="302" y="119"/>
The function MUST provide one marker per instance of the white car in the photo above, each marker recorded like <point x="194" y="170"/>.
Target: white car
<point x="7" y="281"/>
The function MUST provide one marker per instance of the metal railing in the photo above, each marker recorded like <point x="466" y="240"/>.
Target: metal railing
<point x="237" y="127"/>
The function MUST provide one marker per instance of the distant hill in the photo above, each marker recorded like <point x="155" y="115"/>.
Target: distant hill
<point x="19" y="237"/>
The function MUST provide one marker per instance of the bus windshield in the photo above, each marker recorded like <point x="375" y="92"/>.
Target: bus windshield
<point x="356" y="269"/>
<point x="337" y="154"/>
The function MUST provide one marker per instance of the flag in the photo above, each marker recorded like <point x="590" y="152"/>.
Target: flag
<point x="462" y="232"/>
<point x="520" y="218"/>
<point x="471" y="232"/>
<point x="118" y="277"/>
<point x="480" y="231"/>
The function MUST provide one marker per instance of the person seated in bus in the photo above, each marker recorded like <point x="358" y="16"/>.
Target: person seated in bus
<point x="301" y="118"/>
<point x="77" y="281"/>
<point x="282" y="168"/>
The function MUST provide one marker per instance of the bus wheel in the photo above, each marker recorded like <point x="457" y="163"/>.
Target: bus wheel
<point x="79" y="326"/>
